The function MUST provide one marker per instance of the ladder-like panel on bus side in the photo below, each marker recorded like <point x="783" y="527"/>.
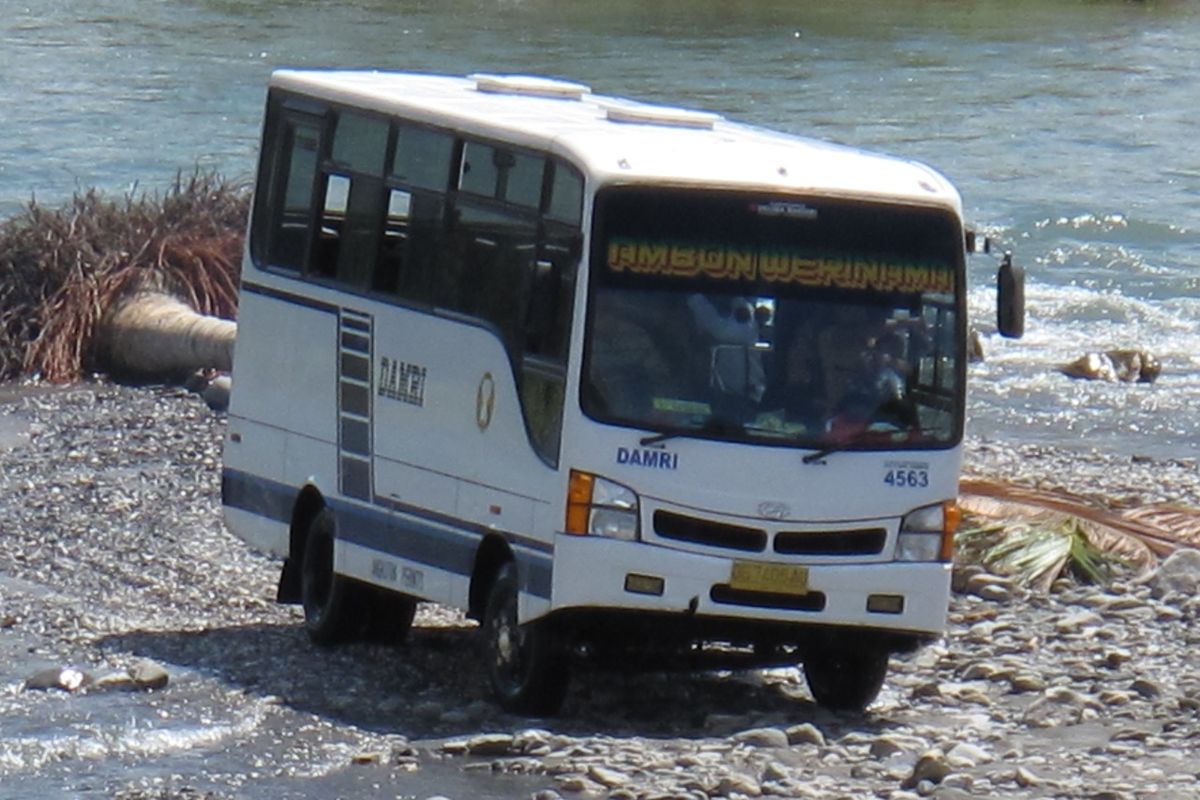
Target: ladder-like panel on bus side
<point x="354" y="405"/>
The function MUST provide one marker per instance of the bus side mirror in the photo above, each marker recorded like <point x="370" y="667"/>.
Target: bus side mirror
<point x="974" y="244"/>
<point x="1010" y="299"/>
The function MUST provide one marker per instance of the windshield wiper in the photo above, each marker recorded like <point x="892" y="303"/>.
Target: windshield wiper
<point x="857" y="438"/>
<point x="711" y="426"/>
<point x="832" y="448"/>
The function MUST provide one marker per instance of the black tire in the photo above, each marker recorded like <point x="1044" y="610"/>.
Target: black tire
<point x="332" y="605"/>
<point x="846" y="679"/>
<point x="526" y="665"/>
<point x="389" y="615"/>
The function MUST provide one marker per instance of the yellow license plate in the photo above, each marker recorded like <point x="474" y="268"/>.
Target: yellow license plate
<point x="761" y="576"/>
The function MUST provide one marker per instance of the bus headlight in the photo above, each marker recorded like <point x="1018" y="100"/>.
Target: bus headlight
<point x="599" y="507"/>
<point x="927" y="534"/>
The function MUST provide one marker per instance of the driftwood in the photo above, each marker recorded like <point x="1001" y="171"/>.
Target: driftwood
<point x="155" y="335"/>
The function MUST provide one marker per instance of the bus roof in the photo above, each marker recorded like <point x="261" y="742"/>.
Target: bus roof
<point x="616" y="140"/>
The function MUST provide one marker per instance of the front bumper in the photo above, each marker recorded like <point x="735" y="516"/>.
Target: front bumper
<point x="591" y="573"/>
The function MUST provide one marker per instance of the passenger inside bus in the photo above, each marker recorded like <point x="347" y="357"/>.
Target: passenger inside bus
<point x="728" y="327"/>
<point x="795" y="396"/>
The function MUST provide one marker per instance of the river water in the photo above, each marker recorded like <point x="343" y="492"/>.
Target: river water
<point x="1068" y="126"/>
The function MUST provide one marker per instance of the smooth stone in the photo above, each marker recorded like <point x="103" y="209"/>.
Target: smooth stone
<point x="740" y="784"/>
<point x="490" y="744"/>
<point x="964" y="755"/>
<point x="68" y="679"/>
<point x="762" y="737"/>
<point x="931" y="766"/>
<point x="608" y="778"/>
<point x="805" y="733"/>
<point x="149" y="675"/>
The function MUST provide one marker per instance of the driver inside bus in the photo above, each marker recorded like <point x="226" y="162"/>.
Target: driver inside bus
<point x="866" y="373"/>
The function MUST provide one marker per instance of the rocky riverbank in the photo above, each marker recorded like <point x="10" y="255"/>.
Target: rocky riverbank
<point x="113" y="555"/>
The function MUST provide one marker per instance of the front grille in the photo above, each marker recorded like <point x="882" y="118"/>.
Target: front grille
<point x="862" y="542"/>
<point x="725" y="594"/>
<point x="713" y="534"/>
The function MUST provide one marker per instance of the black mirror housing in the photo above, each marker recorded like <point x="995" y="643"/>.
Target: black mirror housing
<point x="1010" y="299"/>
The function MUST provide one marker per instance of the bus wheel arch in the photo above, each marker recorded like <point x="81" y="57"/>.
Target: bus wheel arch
<point x="490" y="558"/>
<point x="309" y="503"/>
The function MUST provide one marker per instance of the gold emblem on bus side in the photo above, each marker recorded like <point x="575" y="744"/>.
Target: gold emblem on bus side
<point x="485" y="401"/>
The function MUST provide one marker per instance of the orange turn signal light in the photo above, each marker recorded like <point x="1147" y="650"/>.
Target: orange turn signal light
<point x="579" y="502"/>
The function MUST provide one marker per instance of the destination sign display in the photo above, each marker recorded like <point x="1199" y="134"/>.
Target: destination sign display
<point x="730" y="262"/>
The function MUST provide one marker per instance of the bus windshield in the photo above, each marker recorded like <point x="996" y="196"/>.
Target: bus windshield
<point x="815" y="323"/>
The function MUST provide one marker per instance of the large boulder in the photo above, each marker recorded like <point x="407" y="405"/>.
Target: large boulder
<point x="1125" y="366"/>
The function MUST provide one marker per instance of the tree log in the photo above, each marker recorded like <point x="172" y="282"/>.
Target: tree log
<point x="154" y="335"/>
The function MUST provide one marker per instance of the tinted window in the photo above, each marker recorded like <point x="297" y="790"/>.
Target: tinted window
<point x="360" y="143"/>
<point x="291" y="187"/>
<point x="502" y="174"/>
<point x="566" y="195"/>
<point x="422" y="157"/>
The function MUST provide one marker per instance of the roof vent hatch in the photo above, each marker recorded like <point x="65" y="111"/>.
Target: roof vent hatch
<point x="529" y="86"/>
<point x="643" y="114"/>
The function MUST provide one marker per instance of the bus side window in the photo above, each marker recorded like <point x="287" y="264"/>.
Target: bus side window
<point x="552" y="288"/>
<point x="550" y="298"/>
<point x="566" y="195"/>
<point x="412" y="233"/>
<point x="423" y="158"/>
<point x="394" y="245"/>
<point x="542" y="394"/>
<point x="494" y="250"/>
<point x="333" y="216"/>
<point x="500" y="174"/>
<point x="354" y="200"/>
<point x="282" y="226"/>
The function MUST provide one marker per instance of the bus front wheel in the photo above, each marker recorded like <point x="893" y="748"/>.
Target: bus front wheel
<point x="846" y="679"/>
<point x="331" y="615"/>
<point x="526" y="666"/>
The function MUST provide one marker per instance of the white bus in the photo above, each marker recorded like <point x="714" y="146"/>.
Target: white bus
<point x="616" y="379"/>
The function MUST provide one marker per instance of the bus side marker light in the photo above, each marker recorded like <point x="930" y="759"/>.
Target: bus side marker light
<point x="644" y="584"/>
<point x="885" y="603"/>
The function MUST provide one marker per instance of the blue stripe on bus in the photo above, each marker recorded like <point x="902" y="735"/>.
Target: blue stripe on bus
<point x="290" y="297"/>
<point x="414" y="536"/>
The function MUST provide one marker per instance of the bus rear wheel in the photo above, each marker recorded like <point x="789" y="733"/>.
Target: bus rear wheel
<point x="332" y="612"/>
<point x="526" y="665"/>
<point x="846" y="679"/>
<point x="390" y="616"/>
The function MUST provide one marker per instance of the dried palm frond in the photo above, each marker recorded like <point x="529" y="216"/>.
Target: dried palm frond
<point x="1037" y="534"/>
<point x="1037" y="550"/>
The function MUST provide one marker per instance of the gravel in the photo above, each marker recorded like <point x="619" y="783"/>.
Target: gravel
<point x="112" y="554"/>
